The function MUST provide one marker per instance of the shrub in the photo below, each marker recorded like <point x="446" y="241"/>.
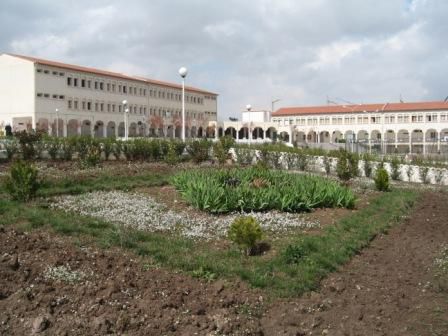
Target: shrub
<point x="26" y="142"/>
<point x="220" y="153"/>
<point x="244" y="156"/>
<point x="92" y="158"/>
<point x="172" y="157"/>
<point x="441" y="269"/>
<point x="438" y="176"/>
<point x="395" y="168"/>
<point x="327" y="164"/>
<point x="11" y="148"/>
<point x="381" y="179"/>
<point x="347" y="166"/>
<point x="117" y="149"/>
<point x="53" y="146"/>
<point x="198" y="149"/>
<point x="22" y="182"/>
<point x="410" y="172"/>
<point x="367" y="165"/>
<point x="423" y="172"/>
<point x="68" y="148"/>
<point x="302" y="160"/>
<point x="108" y="147"/>
<point x="245" y="231"/>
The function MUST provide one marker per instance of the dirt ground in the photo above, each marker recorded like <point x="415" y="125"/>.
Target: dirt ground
<point x="52" y="285"/>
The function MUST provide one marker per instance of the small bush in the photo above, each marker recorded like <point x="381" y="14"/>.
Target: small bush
<point x="395" y="167"/>
<point x="92" y="158"/>
<point x="302" y="161"/>
<point x="347" y="166"/>
<point x="381" y="179"/>
<point x="367" y="165"/>
<point x="245" y="231"/>
<point x="409" y="172"/>
<point x="198" y="149"/>
<point x="423" y="172"/>
<point x="22" y="182"/>
<point x="27" y="141"/>
<point x="327" y="164"/>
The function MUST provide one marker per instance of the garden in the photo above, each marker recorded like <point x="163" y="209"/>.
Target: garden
<point x="277" y="221"/>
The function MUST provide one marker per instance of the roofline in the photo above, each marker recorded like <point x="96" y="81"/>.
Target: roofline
<point x="107" y="73"/>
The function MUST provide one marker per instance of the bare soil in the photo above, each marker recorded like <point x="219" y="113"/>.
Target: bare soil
<point x="385" y="290"/>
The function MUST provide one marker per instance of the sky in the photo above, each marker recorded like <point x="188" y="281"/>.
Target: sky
<point x="248" y="51"/>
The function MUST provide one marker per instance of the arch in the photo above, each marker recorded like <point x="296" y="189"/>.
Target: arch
<point x="324" y="137"/>
<point x="363" y="136"/>
<point x="444" y="141"/>
<point x="336" y="136"/>
<point x="133" y="129"/>
<point x="403" y="136"/>
<point x="98" y="129"/>
<point x="210" y="132"/>
<point x="194" y="132"/>
<point x="141" y="128"/>
<point x="311" y="136"/>
<point x="284" y="136"/>
<point x="243" y="133"/>
<point x="389" y="142"/>
<point x="271" y="133"/>
<point x="110" y="131"/>
<point x="57" y="127"/>
<point x="417" y="135"/>
<point x="86" y="128"/>
<point x="375" y="136"/>
<point x="42" y="125"/>
<point x="389" y="136"/>
<point x="350" y="136"/>
<point x="72" y="127"/>
<point x="121" y="130"/>
<point x="300" y="137"/>
<point x="200" y="132"/>
<point x="178" y="132"/>
<point x="431" y="135"/>
<point x="169" y="131"/>
<point x="230" y="131"/>
<point x="257" y="133"/>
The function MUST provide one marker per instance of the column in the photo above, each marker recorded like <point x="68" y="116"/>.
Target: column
<point x="64" y="128"/>
<point x="104" y="130"/>
<point x="438" y="141"/>
<point x="78" y="127"/>
<point x="424" y="143"/>
<point x="410" y="142"/>
<point x="317" y="137"/>
<point x="396" y="141"/>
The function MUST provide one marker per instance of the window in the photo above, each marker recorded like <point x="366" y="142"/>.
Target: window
<point x="96" y="107"/>
<point x="108" y="86"/>
<point x="113" y="87"/>
<point x="83" y="83"/>
<point x="75" y="81"/>
<point x="55" y="96"/>
<point x="55" y="73"/>
<point x="46" y="72"/>
<point x="83" y="105"/>
<point x="69" y="81"/>
<point x="108" y="107"/>
<point x="119" y="108"/>
<point x="39" y="70"/>
<point x="89" y="106"/>
<point x="89" y="84"/>
<point x="96" y="85"/>
<point x="113" y="107"/>
<point x="119" y="88"/>
<point x="39" y="94"/>
<point x="61" y="74"/>
<point x="69" y="104"/>
<point x="46" y="95"/>
<point x="75" y="104"/>
<point x="101" y="86"/>
<point x="124" y="89"/>
<point x="102" y="107"/>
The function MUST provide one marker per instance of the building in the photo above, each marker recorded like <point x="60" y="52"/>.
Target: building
<point x="66" y="100"/>
<point x="420" y="127"/>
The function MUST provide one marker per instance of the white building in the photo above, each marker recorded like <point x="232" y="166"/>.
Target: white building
<point x="420" y="127"/>
<point x="66" y="99"/>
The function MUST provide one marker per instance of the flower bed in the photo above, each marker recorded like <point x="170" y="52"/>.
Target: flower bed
<point x="144" y="213"/>
<point x="252" y="189"/>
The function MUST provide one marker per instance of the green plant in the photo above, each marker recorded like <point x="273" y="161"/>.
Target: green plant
<point x="92" y="158"/>
<point x="302" y="160"/>
<point x="441" y="269"/>
<point x="347" y="166"/>
<point x="172" y="157"/>
<point x="409" y="172"/>
<point x="381" y="179"/>
<point x="117" y="149"/>
<point x="244" y="156"/>
<point x="423" y="172"/>
<point x="245" y="231"/>
<point x="22" y="182"/>
<point x="108" y="147"/>
<point x="367" y="165"/>
<point x="27" y="141"/>
<point x="327" y="161"/>
<point x="199" y="150"/>
<point x="11" y="148"/>
<point x="68" y="148"/>
<point x="395" y="168"/>
<point x="438" y="176"/>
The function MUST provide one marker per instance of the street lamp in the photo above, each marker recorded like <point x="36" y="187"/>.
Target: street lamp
<point x="57" y="123"/>
<point x="183" y="73"/>
<point x="248" y="108"/>
<point x="125" y="115"/>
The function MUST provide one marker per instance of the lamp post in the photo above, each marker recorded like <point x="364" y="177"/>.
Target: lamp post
<point x="183" y="73"/>
<point x="272" y="109"/>
<point x="248" y="108"/>
<point x="125" y="116"/>
<point x="57" y="122"/>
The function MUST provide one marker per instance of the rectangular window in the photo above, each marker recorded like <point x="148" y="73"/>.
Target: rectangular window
<point x="39" y="94"/>
<point x="69" y="81"/>
<point x="89" y="106"/>
<point x="83" y="83"/>
<point x="39" y="70"/>
<point x="96" y="107"/>
<point x="46" y="95"/>
<point x="69" y="104"/>
<point x="113" y="87"/>
<point x="108" y="87"/>
<point x="55" y="73"/>
<point x="101" y="107"/>
<point x="119" y="88"/>
<point x="61" y="74"/>
<point x="46" y="72"/>
<point x="101" y="86"/>
<point x="108" y="107"/>
<point x="124" y="89"/>
<point x="113" y="107"/>
<point x="119" y="108"/>
<point x="89" y="84"/>
<point x="75" y="81"/>
<point x="83" y="105"/>
<point x="75" y="104"/>
<point x="55" y="96"/>
<point x="96" y="85"/>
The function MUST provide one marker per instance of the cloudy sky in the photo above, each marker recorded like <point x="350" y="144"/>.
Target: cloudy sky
<point x="248" y="51"/>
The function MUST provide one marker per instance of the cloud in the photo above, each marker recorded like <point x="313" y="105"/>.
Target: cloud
<point x="248" y="51"/>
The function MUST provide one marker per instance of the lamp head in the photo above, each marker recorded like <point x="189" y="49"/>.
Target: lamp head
<point x="57" y="110"/>
<point x="124" y="102"/>
<point x="183" y="72"/>
<point x="248" y="107"/>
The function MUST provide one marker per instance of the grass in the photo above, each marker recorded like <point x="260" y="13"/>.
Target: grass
<point x="301" y="262"/>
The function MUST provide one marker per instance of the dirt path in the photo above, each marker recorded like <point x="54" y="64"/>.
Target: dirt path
<point x="51" y="285"/>
<point x="386" y="290"/>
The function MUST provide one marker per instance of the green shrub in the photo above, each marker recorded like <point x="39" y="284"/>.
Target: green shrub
<point x="68" y="146"/>
<point x="423" y="172"/>
<point x="117" y="149"/>
<point x="199" y="150"/>
<point x="327" y="164"/>
<point x="381" y="179"/>
<point x="244" y="156"/>
<point x="220" y="152"/>
<point x="367" y="165"/>
<point x="347" y="166"/>
<point x="27" y="141"/>
<point x="108" y="147"/>
<point x="92" y="158"/>
<point x="11" y="148"/>
<point x="22" y="182"/>
<point x="410" y="172"/>
<point x="245" y="231"/>
<point x="302" y="160"/>
<point x="172" y="157"/>
<point x="295" y="253"/>
<point x="395" y="168"/>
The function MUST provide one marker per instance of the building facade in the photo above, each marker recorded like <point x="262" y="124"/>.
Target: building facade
<point x="420" y="127"/>
<point x="65" y="100"/>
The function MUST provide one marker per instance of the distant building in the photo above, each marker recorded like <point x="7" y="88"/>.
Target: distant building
<point x="69" y="100"/>
<point x="420" y="127"/>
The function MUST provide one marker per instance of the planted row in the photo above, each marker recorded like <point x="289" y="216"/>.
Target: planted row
<point x="253" y="189"/>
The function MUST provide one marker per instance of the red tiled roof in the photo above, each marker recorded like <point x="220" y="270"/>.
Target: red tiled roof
<point x="108" y="73"/>
<point x="387" y="107"/>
